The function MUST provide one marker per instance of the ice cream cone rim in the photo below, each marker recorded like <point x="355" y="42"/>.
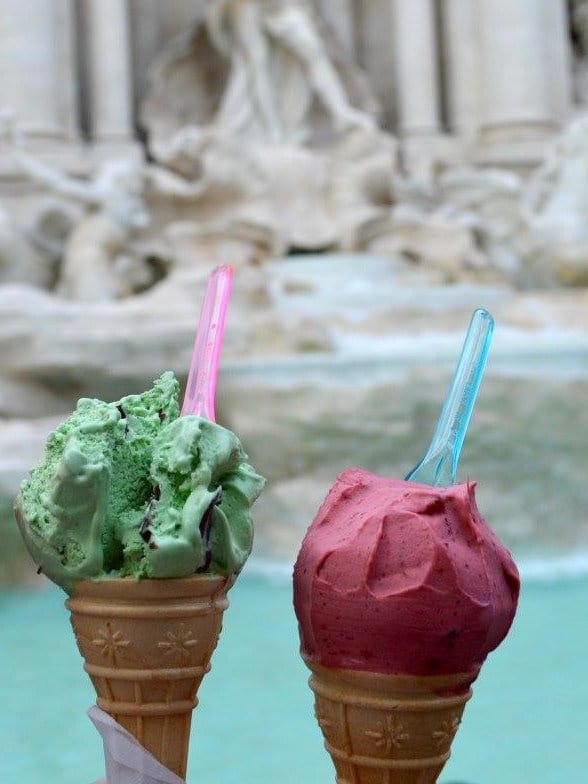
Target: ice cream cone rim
<point x="127" y="610"/>
<point x="361" y="699"/>
<point x="171" y="673"/>
<point x="401" y="686"/>
<point x="383" y="762"/>
<point x="146" y="709"/>
<point x="205" y="586"/>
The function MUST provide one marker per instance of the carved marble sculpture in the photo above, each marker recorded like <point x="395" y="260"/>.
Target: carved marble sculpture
<point x="254" y="68"/>
<point x="101" y="260"/>
<point x="97" y="265"/>
<point x="257" y="105"/>
<point x="278" y="64"/>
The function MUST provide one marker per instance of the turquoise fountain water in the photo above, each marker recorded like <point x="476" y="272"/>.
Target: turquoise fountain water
<point x="254" y="724"/>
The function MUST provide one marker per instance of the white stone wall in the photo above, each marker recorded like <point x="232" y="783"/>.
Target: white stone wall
<point x="481" y="71"/>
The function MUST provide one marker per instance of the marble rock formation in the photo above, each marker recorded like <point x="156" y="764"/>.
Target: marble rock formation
<point x="21" y="260"/>
<point x="555" y="207"/>
<point x="487" y="202"/>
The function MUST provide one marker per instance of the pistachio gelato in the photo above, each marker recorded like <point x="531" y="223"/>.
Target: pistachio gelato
<point x="130" y="488"/>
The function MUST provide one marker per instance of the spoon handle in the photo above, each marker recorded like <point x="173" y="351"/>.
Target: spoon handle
<point x="201" y="385"/>
<point x="438" y="466"/>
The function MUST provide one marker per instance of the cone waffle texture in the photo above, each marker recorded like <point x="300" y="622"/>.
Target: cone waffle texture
<point x="147" y="645"/>
<point x="388" y="729"/>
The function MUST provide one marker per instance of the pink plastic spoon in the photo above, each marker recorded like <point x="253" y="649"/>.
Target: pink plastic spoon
<point x="201" y="386"/>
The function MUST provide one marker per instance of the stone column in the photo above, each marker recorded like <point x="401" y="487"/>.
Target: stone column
<point x="559" y="55"/>
<point x="145" y="23"/>
<point x="375" y="55"/>
<point x="339" y="16"/>
<point x="67" y="68"/>
<point x="416" y="66"/>
<point x="461" y="58"/>
<point x="108" y="41"/>
<point x="37" y="80"/>
<point x="515" y="78"/>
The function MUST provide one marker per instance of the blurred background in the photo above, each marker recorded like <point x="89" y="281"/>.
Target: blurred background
<point x="374" y="170"/>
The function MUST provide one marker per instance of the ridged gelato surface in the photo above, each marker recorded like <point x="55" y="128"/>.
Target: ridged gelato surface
<point x="402" y="578"/>
<point x="130" y="488"/>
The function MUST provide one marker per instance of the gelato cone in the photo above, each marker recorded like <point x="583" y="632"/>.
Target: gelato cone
<point x="401" y="590"/>
<point x="147" y="645"/>
<point x="388" y="729"/>
<point x="143" y="518"/>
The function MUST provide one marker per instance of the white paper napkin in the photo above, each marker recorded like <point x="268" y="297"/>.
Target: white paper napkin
<point x="127" y="762"/>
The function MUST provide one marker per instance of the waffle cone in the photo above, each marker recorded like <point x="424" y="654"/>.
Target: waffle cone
<point x="388" y="729"/>
<point x="147" y="645"/>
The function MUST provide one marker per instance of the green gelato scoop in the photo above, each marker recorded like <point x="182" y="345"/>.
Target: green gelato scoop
<point x="133" y="489"/>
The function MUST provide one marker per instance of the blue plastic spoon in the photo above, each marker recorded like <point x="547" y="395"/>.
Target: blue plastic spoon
<point x="438" y="466"/>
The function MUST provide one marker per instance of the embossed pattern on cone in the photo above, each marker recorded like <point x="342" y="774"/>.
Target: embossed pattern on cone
<point x="147" y="645"/>
<point x="388" y="729"/>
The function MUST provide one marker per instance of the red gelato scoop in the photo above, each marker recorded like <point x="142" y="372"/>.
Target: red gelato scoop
<point x="402" y="578"/>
